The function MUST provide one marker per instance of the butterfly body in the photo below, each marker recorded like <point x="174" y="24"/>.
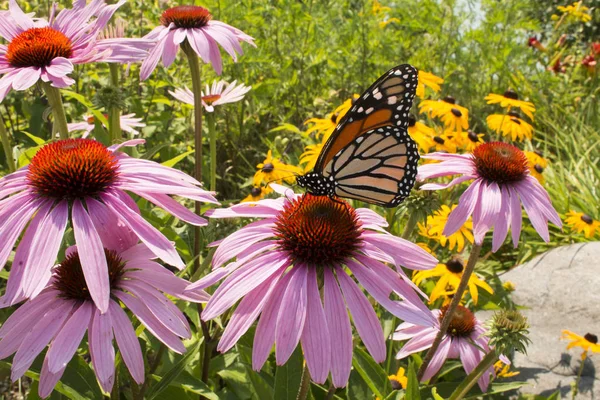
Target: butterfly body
<point x="370" y="156"/>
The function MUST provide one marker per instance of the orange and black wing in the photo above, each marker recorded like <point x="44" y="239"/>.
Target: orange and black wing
<point x="386" y="103"/>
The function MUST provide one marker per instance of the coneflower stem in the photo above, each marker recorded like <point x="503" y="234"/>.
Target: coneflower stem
<point x="212" y="134"/>
<point x="114" y="114"/>
<point x="410" y="225"/>
<point x="195" y="71"/>
<point x="10" y="162"/>
<point x="58" y="109"/>
<point x="486" y="362"/>
<point x="464" y="280"/>
<point x="575" y="388"/>
<point x="304" y="384"/>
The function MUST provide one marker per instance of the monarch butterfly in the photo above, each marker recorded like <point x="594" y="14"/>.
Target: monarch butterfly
<point x="370" y="156"/>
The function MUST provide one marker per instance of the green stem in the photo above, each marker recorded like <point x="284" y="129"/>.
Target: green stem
<point x="466" y="385"/>
<point x="58" y="110"/>
<point x="7" y="147"/>
<point x="116" y="390"/>
<point x="195" y="71"/>
<point x="304" y="385"/>
<point x="212" y="134"/>
<point x="151" y="370"/>
<point x="114" y="114"/>
<point x="576" y="384"/>
<point x="208" y="348"/>
<point x="452" y="308"/>
<point x="410" y="225"/>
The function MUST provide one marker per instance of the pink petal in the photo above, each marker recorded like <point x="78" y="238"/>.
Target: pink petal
<point x="170" y="49"/>
<point x="127" y="341"/>
<point x="503" y="220"/>
<point x="292" y="315"/>
<point x="101" y="349"/>
<point x="91" y="256"/>
<point x="466" y="205"/>
<point x="516" y="215"/>
<point x="26" y="78"/>
<point x="365" y="320"/>
<point x="175" y="208"/>
<point x="421" y="341"/>
<point x="48" y="380"/>
<point x="241" y="240"/>
<point x="114" y="234"/>
<point x="487" y="210"/>
<point x="404" y="253"/>
<point x="60" y="66"/>
<point x="316" y="337"/>
<point x="438" y="359"/>
<point x="23" y="20"/>
<point x="199" y="43"/>
<point x="151" y="61"/>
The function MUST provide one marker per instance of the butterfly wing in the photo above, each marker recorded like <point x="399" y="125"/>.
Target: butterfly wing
<point x="386" y="102"/>
<point x="378" y="167"/>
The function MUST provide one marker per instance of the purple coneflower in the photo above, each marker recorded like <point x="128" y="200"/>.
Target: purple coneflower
<point x="220" y="92"/>
<point x="46" y="50"/>
<point x="464" y="338"/>
<point x="128" y="123"/>
<point x="203" y="34"/>
<point x="64" y="310"/>
<point x="501" y="182"/>
<point x="89" y="180"/>
<point x="305" y="244"/>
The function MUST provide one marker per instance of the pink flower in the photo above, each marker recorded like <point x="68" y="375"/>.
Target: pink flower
<point x="204" y="35"/>
<point x="63" y="311"/>
<point x="83" y="178"/>
<point x="128" y="124"/>
<point x="219" y="93"/>
<point x="47" y="50"/>
<point x="464" y="339"/>
<point x="303" y="244"/>
<point x="501" y="182"/>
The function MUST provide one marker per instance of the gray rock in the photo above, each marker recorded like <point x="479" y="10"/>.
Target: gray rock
<point x="560" y="290"/>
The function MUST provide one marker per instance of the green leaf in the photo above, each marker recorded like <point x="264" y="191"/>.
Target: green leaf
<point x="175" y="160"/>
<point x="237" y="380"/>
<point x="37" y="140"/>
<point x="372" y="373"/>
<point x="169" y="377"/>
<point x="412" y="389"/>
<point x="288" y="376"/>
<point x="191" y="384"/>
<point x="435" y="394"/>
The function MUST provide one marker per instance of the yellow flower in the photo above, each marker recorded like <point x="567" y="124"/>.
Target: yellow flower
<point x="310" y="155"/>
<point x="421" y="134"/>
<point x="398" y="381"/>
<point x="325" y="126"/>
<point x="468" y="140"/>
<point x="435" y="226"/>
<point x="580" y="222"/>
<point x="454" y="117"/>
<point x="429" y="80"/>
<point x="509" y="286"/>
<point x="577" y="11"/>
<point x="450" y="275"/>
<point x="388" y="21"/>
<point x="273" y="170"/>
<point x="587" y="342"/>
<point x="502" y="370"/>
<point x="378" y="8"/>
<point x="257" y="193"/>
<point x="509" y="99"/>
<point x="445" y="142"/>
<point x="510" y="125"/>
<point x="537" y="165"/>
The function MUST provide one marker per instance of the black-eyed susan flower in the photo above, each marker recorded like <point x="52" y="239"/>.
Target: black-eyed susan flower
<point x="273" y="170"/>
<point x="323" y="127"/>
<point x="537" y="165"/>
<point x="310" y="155"/>
<point x="468" y="140"/>
<point x="421" y="134"/>
<point x="434" y="227"/>
<point x="509" y="286"/>
<point x="509" y="99"/>
<point x="582" y="223"/>
<point x="510" y="125"/>
<point x="587" y="342"/>
<point x="445" y="142"/>
<point x="430" y="80"/>
<point x="257" y="193"/>
<point x="503" y="370"/>
<point x="399" y="380"/>
<point x="450" y="274"/>
<point x="576" y="11"/>
<point x="454" y="117"/>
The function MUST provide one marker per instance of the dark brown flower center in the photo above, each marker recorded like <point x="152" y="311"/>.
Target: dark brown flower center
<point x="256" y="191"/>
<point x="587" y="219"/>
<point x="473" y="136"/>
<point x="37" y="47"/>
<point x="334" y="117"/>
<point x="463" y="321"/>
<point x="268" y="168"/>
<point x="591" y="338"/>
<point x="72" y="168"/>
<point x="449" y="99"/>
<point x="455" y="266"/>
<point x="396" y="385"/>
<point x="511" y="94"/>
<point x="500" y="162"/>
<point x="538" y="168"/>
<point x="513" y="114"/>
<point x="317" y="230"/>
<point x="439" y="140"/>
<point x="211" y="98"/>
<point x="411" y="120"/>
<point x="456" y="112"/>
<point x="70" y="281"/>
<point x="187" y="17"/>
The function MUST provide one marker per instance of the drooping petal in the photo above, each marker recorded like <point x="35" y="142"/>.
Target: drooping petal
<point x="420" y="341"/>
<point x="466" y="205"/>
<point x="48" y="379"/>
<point x="127" y="341"/>
<point x="106" y="223"/>
<point x="102" y="351"/>
<point x="438" y="359"/>
<point x="292" y="315"/>
<point x="487" y="210"/>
